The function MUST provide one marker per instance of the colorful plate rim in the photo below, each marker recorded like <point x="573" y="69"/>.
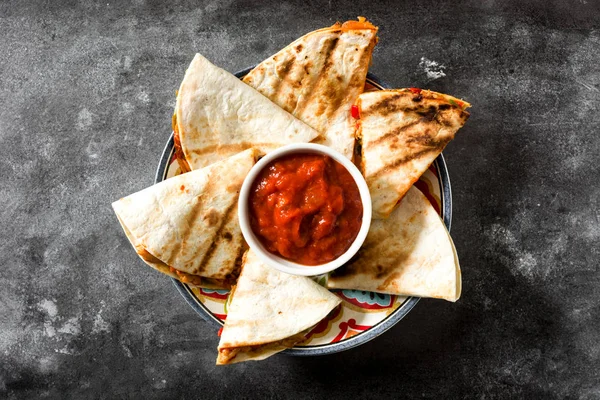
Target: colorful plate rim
<point x="354" y="341"/>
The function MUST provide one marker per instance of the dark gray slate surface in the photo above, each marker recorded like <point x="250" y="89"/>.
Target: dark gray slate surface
<point x="86" y="92"/>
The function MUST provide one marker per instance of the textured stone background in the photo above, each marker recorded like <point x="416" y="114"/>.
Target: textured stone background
<point x="86" y="94"/>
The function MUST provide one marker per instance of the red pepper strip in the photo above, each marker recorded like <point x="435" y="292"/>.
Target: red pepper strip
<point x="415" y="90"/>
<point x="220" y="331"/>
<point x="355" y="113"/>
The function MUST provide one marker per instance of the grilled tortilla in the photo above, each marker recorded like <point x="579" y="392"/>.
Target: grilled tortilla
<point x="318" y="77"/>
<point x="410" y="253"/>
<point x="217" y="116"/>
<point x="402" y="132"/>
<point x="269" y="312"/>
<point x="187" y="226"/>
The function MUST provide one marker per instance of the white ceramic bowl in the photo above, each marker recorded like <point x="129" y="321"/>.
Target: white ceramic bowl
<point x="281" y="263"/>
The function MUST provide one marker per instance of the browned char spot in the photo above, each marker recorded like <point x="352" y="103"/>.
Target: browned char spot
<point x="394" y="132"/>
<point x="399" y="161"/>
<point x="285" y="67"/>
<point x="389" y="104"/>
<point x="211" y="217"/>
<point x="380" y="271"/>
<point x="193" y="215"/>
<point x="227" y="215"/>
<point x="237" y="265"/>
<point x="427" y="140"/>
<point x="327" y="52"/>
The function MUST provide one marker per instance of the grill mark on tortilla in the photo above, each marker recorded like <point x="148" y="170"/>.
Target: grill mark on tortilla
<point x="377" y="271"/>
<point x="291" y="102"/>
<point x="282" y="72"/>
<point x="237" y="265"/>
<point x="329" y="88"/>
<point x="329" y="48"/>
<point x="193" y="217"/>
<point x="398" y="162"/>
<point x="387" y="105"/>
<point x="359" y="76"/>
<point x="393" y="103"/>
<point x="392" y="133"/>
<point x="218" y="238"/>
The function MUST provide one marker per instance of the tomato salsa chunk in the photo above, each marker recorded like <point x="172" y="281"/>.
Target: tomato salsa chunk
<point x="306" y="208"/>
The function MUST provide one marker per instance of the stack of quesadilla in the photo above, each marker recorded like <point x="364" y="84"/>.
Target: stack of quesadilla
<point x="270" y="311"/>
<point x="402" y="132"/>
<point x="318" y="77"/>
<point x="217" y="116"/>
<point x="410" y="253"/>
<point x="187" y="226"/>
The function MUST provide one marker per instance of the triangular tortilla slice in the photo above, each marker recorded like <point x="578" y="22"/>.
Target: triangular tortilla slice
<point x="402" y="132"/>
<point x="217" y="115"/>
<point x="318" y="77"/>
<point x="410" y="253"/>
<point x="187" y="226"/>
<point x="269" y="312"/>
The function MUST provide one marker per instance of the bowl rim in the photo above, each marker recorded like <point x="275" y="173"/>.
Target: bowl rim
<point x="354" y="341"/>
<point x="277" y="262"/>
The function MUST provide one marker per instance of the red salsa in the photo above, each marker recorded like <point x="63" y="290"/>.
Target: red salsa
<point x="306" y="208"/>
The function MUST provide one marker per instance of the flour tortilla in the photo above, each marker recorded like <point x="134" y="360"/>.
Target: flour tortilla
<point x="402" y="133"/>
<point x="270" y="311"/>
<point x="318" y="77"/>
<point x="187" y="226"/>
<point x="217" y="116"/>
<point x="410" y="254"/>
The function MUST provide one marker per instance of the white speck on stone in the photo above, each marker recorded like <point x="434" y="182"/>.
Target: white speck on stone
<point x="160" y="384"/>
<point x="526" y="264"/>
<point x="522" y="262"/>
<point x="143" y="97"/>
<point x="503" y="235"/>
<point x="487" y="303"/>
<point x="127" y="108"/>
<point x="100" y="325"/>
<point x="48" y="365"/>
<point x="84" y="119"/>
<point x="49" y="329"/>
<point x="64" y="350"/>
<point x="126" y="350"/>
<point x="127" y="63"/>
<point x="92" y="150"/>
<point x="433" y="69"/>
<point x="71" y="327"/>
<point x="49" y="307"/>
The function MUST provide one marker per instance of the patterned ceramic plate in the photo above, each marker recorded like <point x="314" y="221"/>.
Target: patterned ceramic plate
<point x="362" y="316"/>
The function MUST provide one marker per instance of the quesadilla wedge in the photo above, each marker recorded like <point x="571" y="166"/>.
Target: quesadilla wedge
<point x="318" y="77"/>
<point x="269" y="312"/>
<point x="217" y="116"/>
<point x="187" y="226"/>
<point x="410" y="254"/>
<point x="402" y="132"/>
